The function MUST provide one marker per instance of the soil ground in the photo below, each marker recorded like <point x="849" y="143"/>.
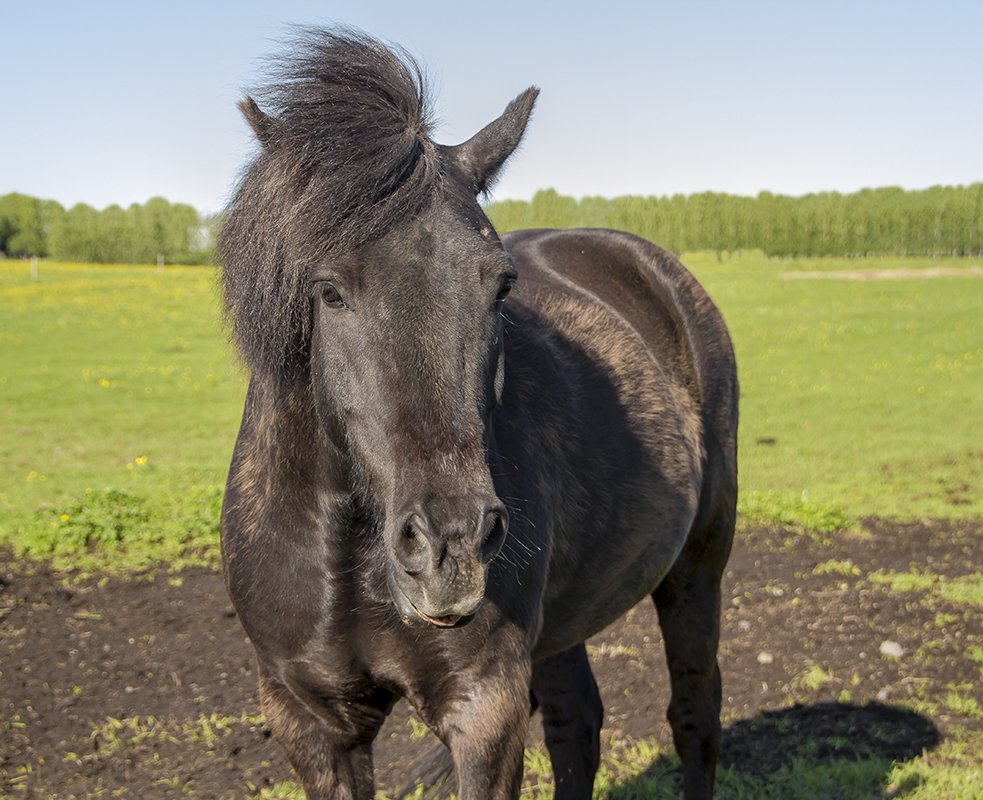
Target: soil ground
<point x="146" y="687"/>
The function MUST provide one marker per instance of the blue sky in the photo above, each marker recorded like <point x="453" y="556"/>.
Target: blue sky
<point x="113" y="102"/>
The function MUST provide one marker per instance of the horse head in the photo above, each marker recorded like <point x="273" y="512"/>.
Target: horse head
<point x="358" y="262"/>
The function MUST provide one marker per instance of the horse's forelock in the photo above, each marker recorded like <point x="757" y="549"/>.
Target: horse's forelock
<point x="346" y="156"/>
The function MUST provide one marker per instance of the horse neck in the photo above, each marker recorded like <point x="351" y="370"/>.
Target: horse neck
<point x="287" y="436"/>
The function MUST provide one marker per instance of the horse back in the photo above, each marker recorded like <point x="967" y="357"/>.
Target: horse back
<point x="650" y="290"/>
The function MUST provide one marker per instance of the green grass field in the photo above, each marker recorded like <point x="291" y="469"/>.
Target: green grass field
<point x="121" y="400"/>
<point x="863" y="395"/>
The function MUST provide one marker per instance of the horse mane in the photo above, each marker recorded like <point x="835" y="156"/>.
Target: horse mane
<point x="346" y="154"/>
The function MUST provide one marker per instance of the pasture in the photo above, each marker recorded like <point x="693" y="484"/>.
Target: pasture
<point x="861" y="504"/>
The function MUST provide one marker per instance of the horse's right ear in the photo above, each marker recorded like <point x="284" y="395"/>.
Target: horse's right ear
<point x="482" y="156"/>
<point x="264" y="126"/>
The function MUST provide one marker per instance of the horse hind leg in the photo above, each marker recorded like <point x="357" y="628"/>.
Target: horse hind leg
<point x="566" y="693"/>
<point x="688" y="603"/>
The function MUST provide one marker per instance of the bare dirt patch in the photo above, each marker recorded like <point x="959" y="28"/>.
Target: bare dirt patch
<point x="146" y="688"/>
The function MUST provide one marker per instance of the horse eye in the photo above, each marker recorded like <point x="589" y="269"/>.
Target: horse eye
<point x="331" y="297"/>
<point x="507" y="285"/>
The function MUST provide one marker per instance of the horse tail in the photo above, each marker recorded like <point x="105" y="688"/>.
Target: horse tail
<point x="430" y="775"/>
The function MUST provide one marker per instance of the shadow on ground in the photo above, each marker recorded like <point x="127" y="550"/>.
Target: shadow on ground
<point x="840" y="750"/>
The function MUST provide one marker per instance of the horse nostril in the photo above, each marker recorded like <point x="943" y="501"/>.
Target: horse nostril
<point x="411" y="548"/>
<point x="494" y="538"/>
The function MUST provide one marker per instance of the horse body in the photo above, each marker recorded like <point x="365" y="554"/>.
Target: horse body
<point x="438" y="494"/>
<point x="615" y="434"/>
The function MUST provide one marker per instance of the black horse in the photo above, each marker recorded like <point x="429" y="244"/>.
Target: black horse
<point x="460" y="455"/>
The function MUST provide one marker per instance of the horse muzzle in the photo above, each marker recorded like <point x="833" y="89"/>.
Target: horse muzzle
<point x="454" y="616"/>
<point x="440" y="555"/>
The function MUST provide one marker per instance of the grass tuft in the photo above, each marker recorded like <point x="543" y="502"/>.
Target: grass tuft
<point x="961" y="590"/>
<point x="844" y="567"/>
<point x="813" y="678"/>
<point x="113" y="531"/>
<point x="820" y="520"/>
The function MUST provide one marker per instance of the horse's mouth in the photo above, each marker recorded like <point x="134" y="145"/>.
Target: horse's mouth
<point x="412" y="616"/>
<point x="441" y="622"/>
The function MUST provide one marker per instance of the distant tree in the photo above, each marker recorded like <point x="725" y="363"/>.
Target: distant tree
<point x="7" y="225"/>
<point x="208" y="231"/>
<point x="890" y="221"/>
<point x="75" y="235"/>
<point x="117" y="240"/>
<point x="51" y="214"/>
<point x="185" y="240"/>
<point x="21" y="225"/>
<point x="554" y="210"/>
<point x="940" y="220"/>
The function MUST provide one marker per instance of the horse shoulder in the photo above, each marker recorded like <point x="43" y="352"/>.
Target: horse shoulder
<point x="278" y="522"/>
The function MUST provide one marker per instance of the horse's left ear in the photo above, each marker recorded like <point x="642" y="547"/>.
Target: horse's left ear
<point x="264" y="126"/>
<point x="481" y="157"/>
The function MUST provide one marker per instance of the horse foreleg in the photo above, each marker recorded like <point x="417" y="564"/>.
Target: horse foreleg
<point x="688" y="602"/>
<point x="486" y="731"/>
<point x="330" y="762"/>
<point x="566" y="691"/>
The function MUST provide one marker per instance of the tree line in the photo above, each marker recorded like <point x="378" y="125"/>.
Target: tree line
<point x="942" y="220"/>
<point x="139" y="234"/>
